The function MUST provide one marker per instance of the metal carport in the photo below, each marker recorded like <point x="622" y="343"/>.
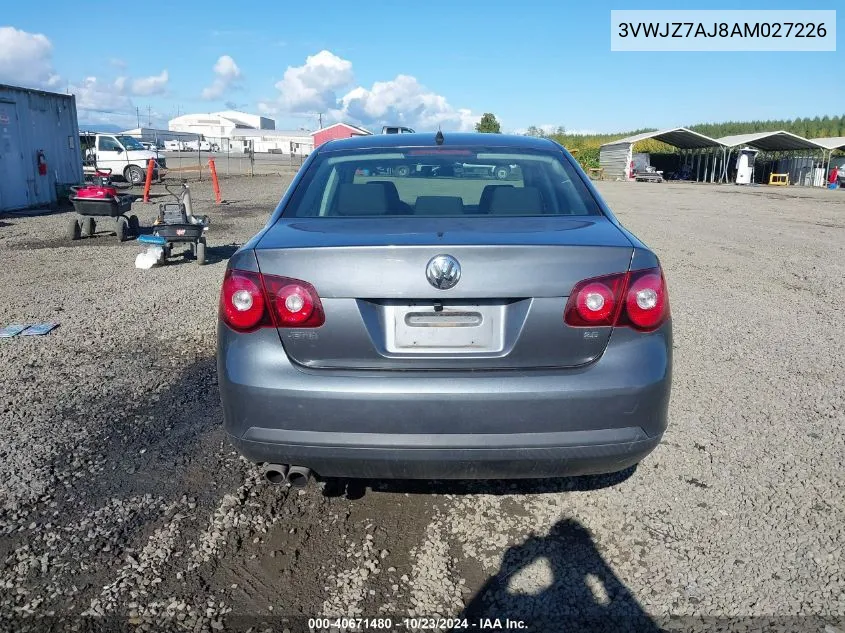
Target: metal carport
<point x="774" y="143"/>
<point x="830" y="143"/>
<point x="615" y="156"/>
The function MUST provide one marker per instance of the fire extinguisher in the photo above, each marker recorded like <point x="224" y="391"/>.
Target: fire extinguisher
<point x="42" y="163"/>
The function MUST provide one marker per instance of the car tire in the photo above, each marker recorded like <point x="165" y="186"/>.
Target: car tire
<point x="201" y="252"/>
<point x="121" y="228"/>
<point x="73" y="230"/>
<point x="501" y="172"/>
<point x="134" y="225"/>
<point x="134" y="175"/>
<point x="402" y="171"/>
<point x="88" y="227"/>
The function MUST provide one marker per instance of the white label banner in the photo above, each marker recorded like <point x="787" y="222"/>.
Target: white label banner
<point x="723" y="30"/>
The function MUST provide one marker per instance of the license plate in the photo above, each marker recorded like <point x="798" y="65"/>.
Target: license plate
<point x="465" y="328"/>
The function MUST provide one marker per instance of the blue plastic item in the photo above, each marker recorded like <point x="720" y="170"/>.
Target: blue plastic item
<point x="152" y="239"/>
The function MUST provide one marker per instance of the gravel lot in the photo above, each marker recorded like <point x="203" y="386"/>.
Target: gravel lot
<point x="122" y="505"/>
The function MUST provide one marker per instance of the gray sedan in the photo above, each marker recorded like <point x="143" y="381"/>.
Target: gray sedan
<point x="443" y="327"/>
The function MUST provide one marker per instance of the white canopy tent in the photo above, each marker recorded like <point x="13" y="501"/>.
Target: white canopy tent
<point x="773" y="142"/>
<point x="830" y="143"/>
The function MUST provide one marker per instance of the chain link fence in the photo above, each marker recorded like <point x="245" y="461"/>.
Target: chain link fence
<point x="189" y="159"/>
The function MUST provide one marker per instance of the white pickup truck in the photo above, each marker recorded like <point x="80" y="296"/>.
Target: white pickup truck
<point x="123" y="155"/>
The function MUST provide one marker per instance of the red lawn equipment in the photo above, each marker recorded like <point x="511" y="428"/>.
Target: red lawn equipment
<point x="98" y="201"/>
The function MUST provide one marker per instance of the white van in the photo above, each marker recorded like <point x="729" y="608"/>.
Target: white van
<point x="174" y="145"/>
<point x="123" y="154"/>
<point x="201" y="146"/>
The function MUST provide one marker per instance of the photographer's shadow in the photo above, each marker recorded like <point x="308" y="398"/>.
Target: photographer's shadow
<point x="557" y="583"/>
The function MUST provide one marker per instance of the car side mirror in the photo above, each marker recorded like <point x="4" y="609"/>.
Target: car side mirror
<point x="119" y="150"/>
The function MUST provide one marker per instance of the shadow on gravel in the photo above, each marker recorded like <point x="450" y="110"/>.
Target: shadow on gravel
<point x="222" y="253"/>
<point x="357" y="488"/>
<point x="59" y="208"/>
<point x="559" y="582"/>
<point x="213" y="254"/>
<point x="164" y="444"/>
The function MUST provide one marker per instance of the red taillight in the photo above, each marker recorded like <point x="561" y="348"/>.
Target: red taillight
<point x="637" y="299"/>
<point x="595" y="302"/>
<point x="250" y="300"/>
<point x="242" y="303"/>
<point x="295" y="303"/>
<point x="646" y="302"/>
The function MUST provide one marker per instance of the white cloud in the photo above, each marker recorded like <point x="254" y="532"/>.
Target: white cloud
<point x="153" y="85"/>
<point x="267" y="108"/>
<point x="226" y="76"/>
<point x="98" y="96"/>
<point x="26" y="59"/>
<point x="403" y="101"/>
<point x="312" y="87"/>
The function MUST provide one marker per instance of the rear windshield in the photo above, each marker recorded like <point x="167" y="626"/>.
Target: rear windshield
<point x="443" y="181"/>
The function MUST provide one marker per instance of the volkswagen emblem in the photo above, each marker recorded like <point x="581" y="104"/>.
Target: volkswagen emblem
<point x="443" y="272"/>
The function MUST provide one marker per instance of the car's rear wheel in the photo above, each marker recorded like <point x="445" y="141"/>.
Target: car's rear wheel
<point x="134" y="174"/>
<point x="402" y="171"/>
<point x="502" y="172"/>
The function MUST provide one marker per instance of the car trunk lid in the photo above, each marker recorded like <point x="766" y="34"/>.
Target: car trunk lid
<point x="505" y="312"/>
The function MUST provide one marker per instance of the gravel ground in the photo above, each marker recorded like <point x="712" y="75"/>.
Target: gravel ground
<point x="122" y="505"/>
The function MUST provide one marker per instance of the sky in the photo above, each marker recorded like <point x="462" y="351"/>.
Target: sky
<point x="437" y="63"/>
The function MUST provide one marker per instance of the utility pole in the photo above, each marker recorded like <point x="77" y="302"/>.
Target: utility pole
<point x="149" y="115"/>
<point x="138" y="115"/>
<point x="320" y="115"/>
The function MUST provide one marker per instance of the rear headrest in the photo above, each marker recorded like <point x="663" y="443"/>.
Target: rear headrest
<point x="365" y="199"/>
<point x="439" y="205"/>
<point x="390" y="190"/>
<point x="516" y="201"/>
<point x="487" y="196"/>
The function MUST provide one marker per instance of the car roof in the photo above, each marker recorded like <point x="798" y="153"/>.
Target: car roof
<point x="427" y="139"/>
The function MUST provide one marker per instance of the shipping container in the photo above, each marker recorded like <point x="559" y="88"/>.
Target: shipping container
<point x="39" y="147"/>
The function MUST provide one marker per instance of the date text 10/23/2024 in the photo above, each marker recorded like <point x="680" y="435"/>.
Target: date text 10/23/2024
<point x="320" y="625"/>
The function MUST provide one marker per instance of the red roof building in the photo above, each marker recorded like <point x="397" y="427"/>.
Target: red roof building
<point x="336" y="131"/>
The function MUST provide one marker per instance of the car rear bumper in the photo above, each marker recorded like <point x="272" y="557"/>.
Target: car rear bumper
<point x="600" y="418"/>
<point x="337" y="458"/>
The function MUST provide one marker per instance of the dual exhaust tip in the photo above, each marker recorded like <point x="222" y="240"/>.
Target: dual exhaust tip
<point x="292" y="476"/>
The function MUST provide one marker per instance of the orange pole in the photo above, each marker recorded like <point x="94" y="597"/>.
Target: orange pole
<point x="150" y="168"/>
<point x="214" y="180"/>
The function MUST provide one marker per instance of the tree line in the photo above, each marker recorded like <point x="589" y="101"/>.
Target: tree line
<point x="585" y="147"/>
